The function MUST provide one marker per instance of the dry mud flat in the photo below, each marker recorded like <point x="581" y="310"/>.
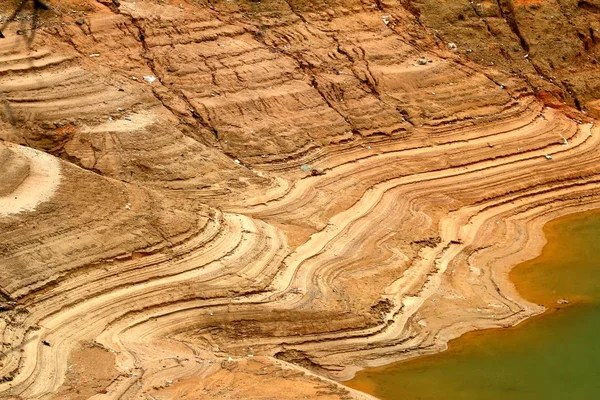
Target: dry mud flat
<point x="301" y="192"/>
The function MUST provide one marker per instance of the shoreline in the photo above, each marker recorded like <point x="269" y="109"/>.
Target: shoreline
<point x="464" y="340"/>
<point x="501" y="273"/>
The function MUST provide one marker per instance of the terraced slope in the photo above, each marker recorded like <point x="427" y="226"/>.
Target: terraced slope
<point x="240" y="200"/>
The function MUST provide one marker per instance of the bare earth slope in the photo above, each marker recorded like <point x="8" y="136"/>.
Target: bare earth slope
<point x="255" y="200"/>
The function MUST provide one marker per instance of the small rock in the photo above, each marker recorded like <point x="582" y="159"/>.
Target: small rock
<point x="422" y="61"/>
<point x="548" y="157"/>
<point x="475" y="271"/>
<point x="80" y="21"/>
<point x="562" y="301"/>
<point x="452" y="46"/>
<point x="149" y="78"/>
<point x="95" y="55"/>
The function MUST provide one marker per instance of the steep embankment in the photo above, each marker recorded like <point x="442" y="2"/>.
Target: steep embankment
<point x="242" y="200"/>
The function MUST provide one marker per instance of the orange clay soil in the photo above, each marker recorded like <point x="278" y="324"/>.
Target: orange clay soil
<point x="256" y="199"/>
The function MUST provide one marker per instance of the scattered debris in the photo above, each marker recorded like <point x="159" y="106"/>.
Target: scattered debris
<point x="95" y="55"/>
<point x="475" y="271"/>
<point x="7" y="306"/>
<point x="452" y="46"/>
<point x="149" y="78"/>
<point x="237" y="161"/>
<point x="562" y="301"/>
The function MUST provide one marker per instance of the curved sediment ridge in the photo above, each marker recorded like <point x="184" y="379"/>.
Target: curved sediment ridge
<point x="292" y="199"/>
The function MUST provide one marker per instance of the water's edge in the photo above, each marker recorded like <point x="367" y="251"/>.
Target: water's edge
<point x="534" y="283"/>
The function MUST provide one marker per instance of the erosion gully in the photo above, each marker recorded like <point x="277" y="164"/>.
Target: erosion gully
<point x="555" y="355"/>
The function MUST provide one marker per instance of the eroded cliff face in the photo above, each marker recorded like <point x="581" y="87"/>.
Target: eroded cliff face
<point x="250" y="199"/>
<point x="552" y="44"/>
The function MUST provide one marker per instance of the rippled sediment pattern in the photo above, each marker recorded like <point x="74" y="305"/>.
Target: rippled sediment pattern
<point x="295" y="197"/>
<point x="552" y="356"/>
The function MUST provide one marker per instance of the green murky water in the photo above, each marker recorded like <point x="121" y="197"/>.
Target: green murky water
<point x="552" y="356"/>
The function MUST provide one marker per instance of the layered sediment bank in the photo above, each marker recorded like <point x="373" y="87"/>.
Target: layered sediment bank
<point x="552" y="355"/>
<point x="238" y="199"/>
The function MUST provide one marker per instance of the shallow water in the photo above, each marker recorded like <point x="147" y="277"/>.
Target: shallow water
<point x="552" y="356"/>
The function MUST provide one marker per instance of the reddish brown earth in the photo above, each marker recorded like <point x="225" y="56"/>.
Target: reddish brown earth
<point x="240" y="199"/>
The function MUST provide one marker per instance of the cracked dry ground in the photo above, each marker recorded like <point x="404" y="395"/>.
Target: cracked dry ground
<point x="304" y="190"/>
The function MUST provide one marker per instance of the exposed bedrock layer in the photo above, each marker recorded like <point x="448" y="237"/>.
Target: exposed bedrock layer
<point x="552" y="44"/>
<point x="244" y="200"/>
